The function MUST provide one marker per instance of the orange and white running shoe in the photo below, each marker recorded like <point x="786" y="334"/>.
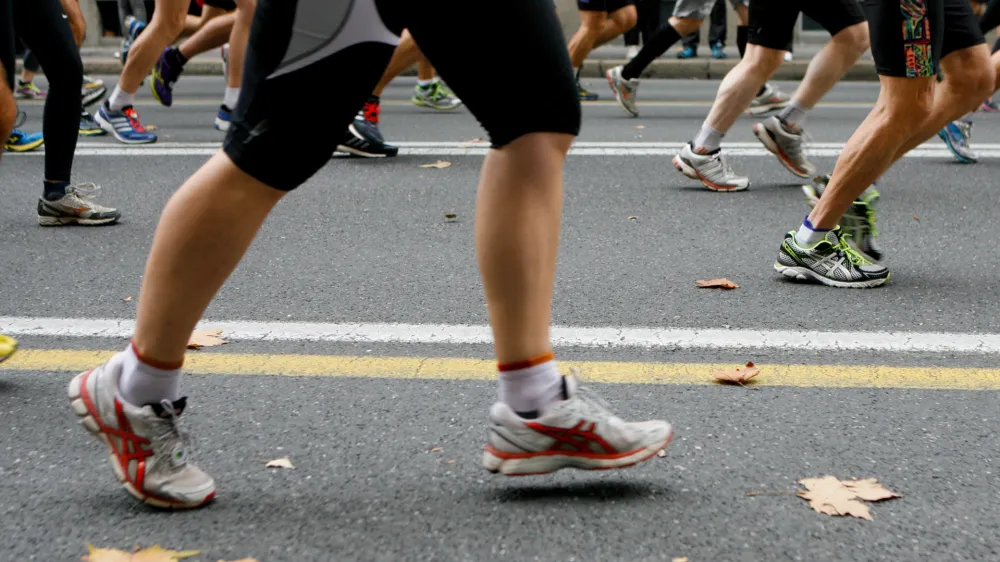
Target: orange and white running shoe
<point x="578" y="432"/>
<point x="148" y="450"/>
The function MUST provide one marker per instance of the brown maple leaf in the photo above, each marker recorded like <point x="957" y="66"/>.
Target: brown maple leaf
<point x="835" y="497"/>
<point x="205" y="338"/>
<point x="738" y="375"/>
<point x="721" y="283"/>
<point x="155" y="553"/>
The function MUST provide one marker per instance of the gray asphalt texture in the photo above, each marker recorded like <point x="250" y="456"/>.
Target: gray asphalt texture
<point x="365" y="241"/>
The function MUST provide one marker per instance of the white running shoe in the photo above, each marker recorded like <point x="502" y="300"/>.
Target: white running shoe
<point x="631" y="51"/>
<point x="710" y="169"/>
<point x="578" y="432"/>
<point x="625" y="90"/>
<point x="147" y="449"/>
<point x="771" y="99"/>
<point x="789" y="147"/>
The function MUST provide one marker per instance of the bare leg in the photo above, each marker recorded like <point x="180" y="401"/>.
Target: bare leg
<point x="597" y="28"/>
<point x="203" y="233"/>
<point x="212" y="35"/>
<point x="238" y="41"/>
<point x="76" y="22"/>
<point x="424" y="69"/>
<point x="741" y="84"/>
<point x="168" y="21"/>
<point x="407" y="54"/>
<point x="518" y="212"/>
<point x="831" y="63"/>
<point x="8" y="108"/>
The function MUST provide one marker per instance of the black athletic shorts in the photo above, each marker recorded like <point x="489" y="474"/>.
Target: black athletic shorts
<point x="772" y="22"/>
<point x="227" y="5"/>
<point x="609" y="6"/>
<point x="910" y="37"/>
<point x="338" y="49"/>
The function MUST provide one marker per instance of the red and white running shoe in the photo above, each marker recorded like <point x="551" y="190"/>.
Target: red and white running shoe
<point x="147" y="448"/>
<point x="578" y="432"/>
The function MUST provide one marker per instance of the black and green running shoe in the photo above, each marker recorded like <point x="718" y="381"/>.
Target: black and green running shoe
<point x="830" y="262"/>
<point x="859" y="221"/>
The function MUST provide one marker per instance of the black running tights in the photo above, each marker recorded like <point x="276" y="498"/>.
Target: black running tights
<point x="42" y="26"/>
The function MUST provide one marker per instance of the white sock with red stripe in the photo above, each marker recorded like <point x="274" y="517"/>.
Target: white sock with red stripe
<point x="144" y="383"/>
<point x="120" y="98"/>
<point x="530" y="386"/>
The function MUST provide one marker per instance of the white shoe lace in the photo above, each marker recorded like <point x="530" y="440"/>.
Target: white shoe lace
<point x="172" y="439"/>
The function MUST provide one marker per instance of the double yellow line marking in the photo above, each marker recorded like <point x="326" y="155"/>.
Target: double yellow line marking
<point x="452" y="368"/>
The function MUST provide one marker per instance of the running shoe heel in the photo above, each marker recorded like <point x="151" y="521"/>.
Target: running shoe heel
<point x="683" y="168"/>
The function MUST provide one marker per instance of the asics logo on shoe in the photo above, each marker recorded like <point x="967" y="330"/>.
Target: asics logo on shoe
<point x="578" y="439"/>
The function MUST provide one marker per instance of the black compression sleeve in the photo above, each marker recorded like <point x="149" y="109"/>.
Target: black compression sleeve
<point x="658" y="44"/>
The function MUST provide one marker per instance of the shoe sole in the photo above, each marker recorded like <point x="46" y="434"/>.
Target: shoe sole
<point x="24" y="148"/>
<point x="94" y="133"/>
<point x="951" y="147"/>
<point x="108" y="127"/>
<point x="361" y="154"/>
<point x="436" y="107"/>
<point x="67" y="221"/>
<point x="806" y="274"/>
<point x="764" y="136"/>
<point x="547" y="464"/>
<point x="766" y="108"/>
<point x="692" y="173"/>
<point x="94" y="96"/>
<point x="89" y="420"/>
<point x="618" y="97"/>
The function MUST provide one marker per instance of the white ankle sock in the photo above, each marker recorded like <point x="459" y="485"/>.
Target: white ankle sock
<point x="531" y="388"/>
<point x="793" y="115"/>
<point x="142" y="383"/>
<point x="232" y="96"/>
<point x="708" y="139"/>
<point x="808" y="235"/>
<point x="120" y="98"/>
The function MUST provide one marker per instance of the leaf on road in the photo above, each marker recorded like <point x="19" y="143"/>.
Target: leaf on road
<point x="436" y="450"/>
<point x="241" y="560"/>
<point x="916" y="218"/>
<point x="283" y="462"/>
<point x="450" y="217"/>
<point x="639" y="127"/>
<point x="127" y="299"/>
<point x="633" y="218"/>
<point x="452" y="461"/>
<point x="721" y="283"/>
<point x="661" y="453"/>
<point x="475" y="140"/>
<point x="738" y="375"/>
<point x="152" y="554"/>
<point x="439" y="164"/>
<point x="835" y="497"/>
<point x="680" y="559"/>
<point x="205" y="338"/>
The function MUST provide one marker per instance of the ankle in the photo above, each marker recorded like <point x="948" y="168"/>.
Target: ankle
<point x="531" y="386"/>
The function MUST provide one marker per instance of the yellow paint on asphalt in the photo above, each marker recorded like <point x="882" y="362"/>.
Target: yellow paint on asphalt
<point x="453" y="368"/>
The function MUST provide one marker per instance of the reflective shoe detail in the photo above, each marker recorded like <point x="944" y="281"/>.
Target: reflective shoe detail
<point x="830" y="262"/>
<point x="92" y="91"/>
<point x="89" y="127"/>
<point x="771" y="99"/>
<point x="19" y="141"/>
<point x="148" y="450"/>
<point x="586" y="95"/>
<point x="124" y="125"/>
<point x="29" y="91"/>
<point x="76" y="207"/>
<point x="625" y="90"/>
<point x="710" y="169"/>
<point x="364" y="139"/>
<point x="223" y="118"/>
<point x="859" y="223"/>
<point x="957" y="135"/>
<point x="578" y="432"/>
<point x="435" y="96"/>
<point x="165" y="75"/>
<point x="786" y="145"/>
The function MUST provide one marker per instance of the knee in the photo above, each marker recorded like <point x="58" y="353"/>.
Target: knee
<point x="685" y="26"/>
<point x="761" y="61"/>
<point x="626" y="18"/>
<point x="171" y="25"/>
<point x="972" y="74"/>
<point x="591" y="27"/>
<point x="855" y="38"/>
<point x="245" y="7"/>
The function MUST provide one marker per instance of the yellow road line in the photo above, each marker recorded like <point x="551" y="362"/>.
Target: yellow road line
<point x="450" y="368"/>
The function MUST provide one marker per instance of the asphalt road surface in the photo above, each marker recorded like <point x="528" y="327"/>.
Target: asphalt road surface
<point x="357" y="326"/>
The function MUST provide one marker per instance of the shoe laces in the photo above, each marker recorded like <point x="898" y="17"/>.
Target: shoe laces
<point x="371" y="111"/>
<point x="850" y="253"/>
<point x="170" y="436"/>
<point x="133" y="119"/>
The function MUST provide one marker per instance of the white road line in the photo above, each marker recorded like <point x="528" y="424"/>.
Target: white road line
<point x="929" y="150"/>
<point x="563" y="336"/>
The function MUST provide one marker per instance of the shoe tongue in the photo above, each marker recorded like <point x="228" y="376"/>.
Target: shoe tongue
<point x="569" y="385"/>
<point x="833" y="237"/>
<point x="178" y="407"/>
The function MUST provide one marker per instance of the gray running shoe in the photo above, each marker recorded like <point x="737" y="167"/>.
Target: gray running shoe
<point x="830" y="262"/>
<point x="789" y="147"/>
<point x="147" y="448"/>
<point x="435" y="96"/>
<point x="625" y="90"/>
<point x="771" y="99"/>
<point x="76" y="207"/>
<point x="859" y="222"/>
<point x="710" y="169"/>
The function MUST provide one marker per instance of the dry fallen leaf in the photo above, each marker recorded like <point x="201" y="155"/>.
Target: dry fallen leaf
<point x="738" y="375"/>
<point x="721" y="283"/>
<point x="661" y="453"/>
<point x="475" y="140"/>
<point x="452" y="461"/>
<point x="205" y="338"/>
<point x="436" y="450"/>
<point x="916" y="218"/>
<point x="450" y="217"/>
<point x="241" y="560"/>
<point x="639" y="127"/>
<point x="633" y="218"/>
<point x="835" y="497"/>
<point x="680" y="559"/>
<point x="150" y="127"/>
<point x="283" y="462"/>
<point x="152" y="554"/>
<point x="439" y="164"/>
<point x="126" y="299"/>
